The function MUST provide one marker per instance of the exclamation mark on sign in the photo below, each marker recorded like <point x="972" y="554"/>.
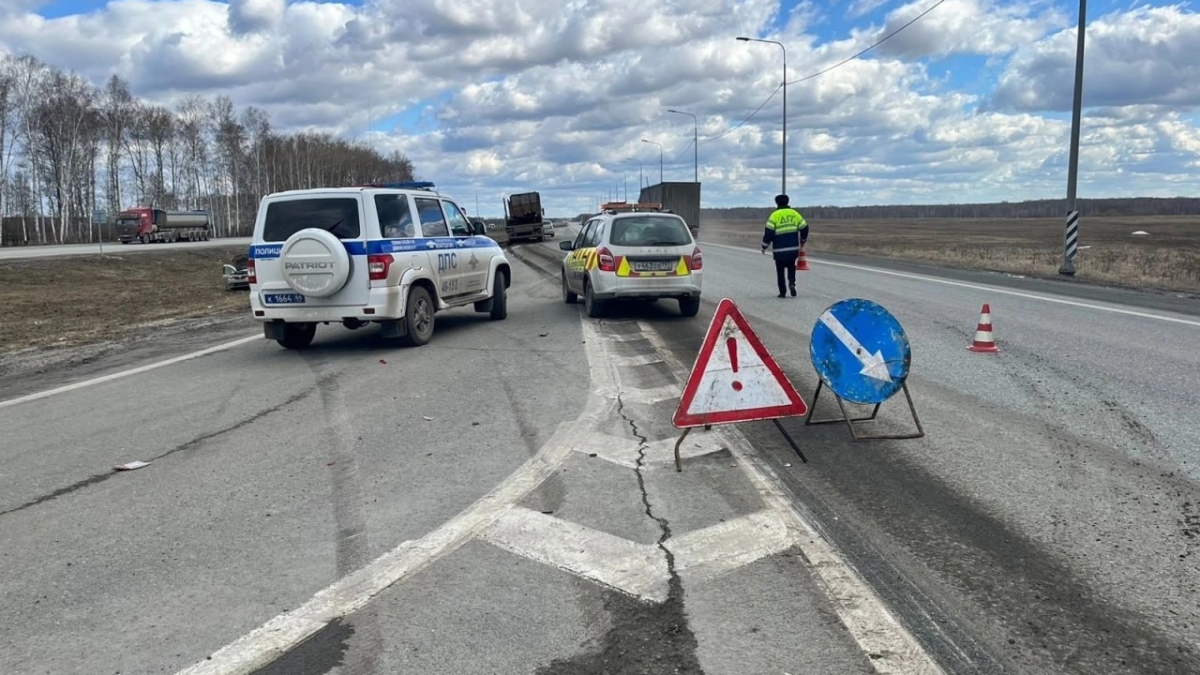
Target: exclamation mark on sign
<point x="731" y="343"/>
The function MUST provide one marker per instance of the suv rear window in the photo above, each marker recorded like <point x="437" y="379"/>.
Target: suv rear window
<point x="649" y="231"/>
<point x="338" y="215"/>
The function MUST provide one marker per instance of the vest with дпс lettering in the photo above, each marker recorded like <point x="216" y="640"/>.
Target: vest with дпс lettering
<point x="786" y="230"/>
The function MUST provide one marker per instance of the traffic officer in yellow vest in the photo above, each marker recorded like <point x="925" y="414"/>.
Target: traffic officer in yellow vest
<point x="786" y="233"/>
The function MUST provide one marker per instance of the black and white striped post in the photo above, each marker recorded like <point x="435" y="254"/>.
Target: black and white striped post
<point x="1071" y="237"/>
<point x="1070" y="244"/>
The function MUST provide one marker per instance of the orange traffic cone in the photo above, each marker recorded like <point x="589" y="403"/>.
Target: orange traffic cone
<point x="802" y="261"/>
<point x="984" y="342"/>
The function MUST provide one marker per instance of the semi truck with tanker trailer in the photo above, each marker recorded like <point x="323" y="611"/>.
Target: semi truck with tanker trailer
<point x="523" y="215"/>
<point x="148" y="225"/>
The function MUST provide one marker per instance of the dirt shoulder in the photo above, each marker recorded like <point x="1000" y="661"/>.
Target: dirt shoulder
<point x="61" y="304"/>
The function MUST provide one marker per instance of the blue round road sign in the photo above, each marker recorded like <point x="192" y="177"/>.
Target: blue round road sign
<point x="860" y="351"/>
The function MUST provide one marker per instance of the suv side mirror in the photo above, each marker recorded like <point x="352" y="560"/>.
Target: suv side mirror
<point x="478" y="227"/>
<point x="566" y="245"/>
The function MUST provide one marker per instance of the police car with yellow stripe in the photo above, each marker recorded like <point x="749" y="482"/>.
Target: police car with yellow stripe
<point x="632" y="251"/>
<point x="392" y="254"/>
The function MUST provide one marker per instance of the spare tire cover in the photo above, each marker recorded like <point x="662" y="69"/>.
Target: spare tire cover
<point x="314" y="262"/>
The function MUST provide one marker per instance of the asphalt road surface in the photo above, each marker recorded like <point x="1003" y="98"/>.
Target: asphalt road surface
<point x="504" y="500"/>
<point x="25" y="252"/>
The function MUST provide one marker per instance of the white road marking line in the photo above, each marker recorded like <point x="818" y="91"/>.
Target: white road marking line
<point x="280" y="634"/>
<point x="993" y="289"/>
<point x="268" y="642"/>
<point x="638" y="360"/>
<point x="650" y="396"/>
<point x="633" y="568"/>
<point x="705" y="554"/>
<point x="624" y="451"/>
<point x="126" y="373"/>
<point x="859" y="608"/>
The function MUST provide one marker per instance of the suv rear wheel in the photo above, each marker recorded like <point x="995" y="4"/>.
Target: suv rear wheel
<point x="418" y="317"/>
<point x="689" y="306"/>
<point x="297" y="335"/>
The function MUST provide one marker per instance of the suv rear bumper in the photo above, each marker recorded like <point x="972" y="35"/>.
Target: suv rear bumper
<point x="383" y="304"/>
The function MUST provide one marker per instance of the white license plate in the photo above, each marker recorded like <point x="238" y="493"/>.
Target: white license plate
<point x="653" y="266"/>
<point x="283" y="299"/>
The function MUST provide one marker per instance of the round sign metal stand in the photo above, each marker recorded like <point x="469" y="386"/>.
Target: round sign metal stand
<point x="862" y="356"/>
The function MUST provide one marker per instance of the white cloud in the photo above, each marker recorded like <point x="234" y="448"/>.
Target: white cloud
<point x="502" y="95"/>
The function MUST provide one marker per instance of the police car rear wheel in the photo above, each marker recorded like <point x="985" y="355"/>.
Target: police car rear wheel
<point x="418" y="316"/>
<point x="297" y="335"/>
<point x="689" y="306"/>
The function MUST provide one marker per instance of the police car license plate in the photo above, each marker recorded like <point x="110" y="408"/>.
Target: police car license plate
<point x="653" y="265"/>
<point x="283" y="298"/>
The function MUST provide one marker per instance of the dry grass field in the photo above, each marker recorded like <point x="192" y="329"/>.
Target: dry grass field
<point x="84" y="299"/>
<point x="1168" y="258"/>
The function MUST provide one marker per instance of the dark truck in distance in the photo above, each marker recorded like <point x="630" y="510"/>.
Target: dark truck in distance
<point x="523" y="215"/>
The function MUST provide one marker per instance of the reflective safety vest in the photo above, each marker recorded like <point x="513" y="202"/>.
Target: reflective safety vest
<point x="786" y="230"/>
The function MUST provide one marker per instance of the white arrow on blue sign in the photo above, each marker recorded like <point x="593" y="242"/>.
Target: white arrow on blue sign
<point x="860" y="351"/>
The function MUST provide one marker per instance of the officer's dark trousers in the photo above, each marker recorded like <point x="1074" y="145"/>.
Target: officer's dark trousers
<point x="787" y="263"/>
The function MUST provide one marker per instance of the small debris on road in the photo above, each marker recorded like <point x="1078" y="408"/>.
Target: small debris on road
<point x="427" y="418"/>
<point x="383" y="361"/>
<point x="542" y="334"/>
<point x="130" y="466"/>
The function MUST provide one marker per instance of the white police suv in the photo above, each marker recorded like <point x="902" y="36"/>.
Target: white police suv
<point x="391" y="254"/>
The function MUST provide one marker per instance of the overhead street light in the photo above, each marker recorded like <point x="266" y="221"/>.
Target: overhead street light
<point x="660" y="158"/>
<point x="695" y="142"/>
<point x="783" y="179"/>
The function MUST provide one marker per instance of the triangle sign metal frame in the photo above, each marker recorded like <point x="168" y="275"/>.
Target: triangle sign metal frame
<point x="682" y="419"/>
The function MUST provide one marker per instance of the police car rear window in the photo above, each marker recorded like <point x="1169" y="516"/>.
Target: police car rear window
<point x="649" y="231"/>
<point x="338" y="215"/>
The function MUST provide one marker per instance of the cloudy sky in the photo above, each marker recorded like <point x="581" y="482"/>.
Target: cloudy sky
<point x="971" y="102"/>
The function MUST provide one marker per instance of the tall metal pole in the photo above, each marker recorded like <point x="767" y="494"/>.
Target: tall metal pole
<point x="660" y="158"/>
<point x="695" y="142"/>
<point x="783" y="163"/>
<point x="1071" y="234"/>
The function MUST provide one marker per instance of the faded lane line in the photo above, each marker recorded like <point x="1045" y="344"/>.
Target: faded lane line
<point x="990" y="289"/>
<point x="126" y="373"/>
<point x="859" y="608"/>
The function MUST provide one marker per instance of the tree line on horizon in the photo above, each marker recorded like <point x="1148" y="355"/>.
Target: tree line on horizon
<point x="72" y="155"/>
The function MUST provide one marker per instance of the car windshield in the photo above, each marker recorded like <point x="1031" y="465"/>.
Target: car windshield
<point x="650" y="231"/>
<point x="338" y="215"/>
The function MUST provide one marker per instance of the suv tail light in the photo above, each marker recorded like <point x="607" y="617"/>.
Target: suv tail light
<point x="604" y="258"/>
<point x="697" y="259"/>
<point x="253" y="278"/>
<point x="378" y="266"/>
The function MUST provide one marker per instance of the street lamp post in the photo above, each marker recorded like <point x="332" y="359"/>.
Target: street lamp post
<point x="660" y="158"/>
<point x="640" y="166"/>
<point x="1071" y="235"/>
<point x="695" y="142"/>
<point x="783" y="178"/>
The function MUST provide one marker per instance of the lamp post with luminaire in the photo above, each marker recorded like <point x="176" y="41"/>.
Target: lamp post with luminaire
<point x="660" y="158"/>
<point x="695" y="141"/>
<point x="783" y="178"/>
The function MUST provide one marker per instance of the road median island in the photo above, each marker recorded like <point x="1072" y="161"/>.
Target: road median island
<point x="81" y="300"/>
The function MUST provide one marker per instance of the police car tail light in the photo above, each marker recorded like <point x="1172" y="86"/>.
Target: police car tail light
<point x="697" y="259"/>
<point x="605" y="260"/>
<point x="253" y="275"/>
<point x="378" y="266"/>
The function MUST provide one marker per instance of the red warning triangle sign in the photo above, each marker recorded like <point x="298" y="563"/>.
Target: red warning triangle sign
<point x="735" y="379"/>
